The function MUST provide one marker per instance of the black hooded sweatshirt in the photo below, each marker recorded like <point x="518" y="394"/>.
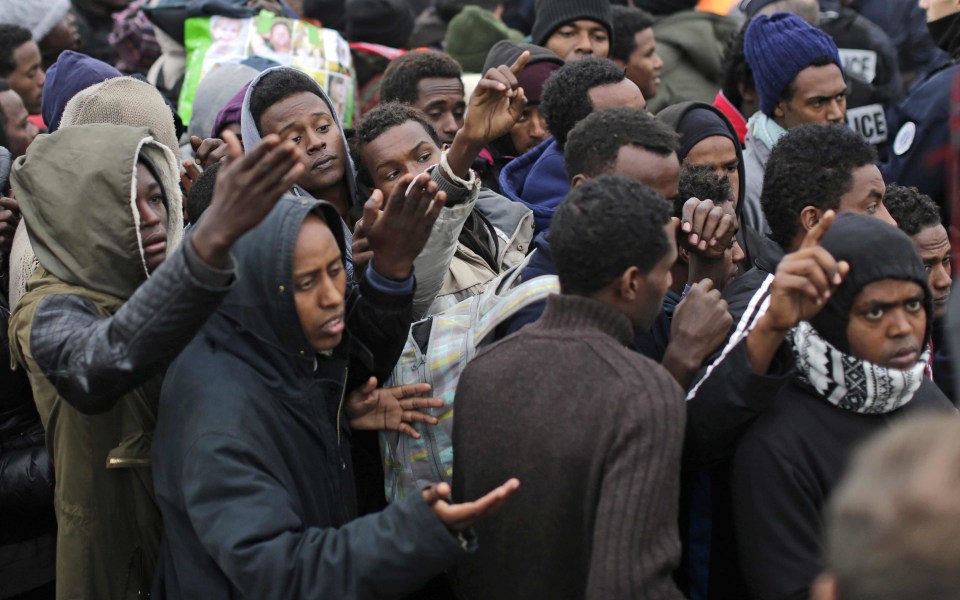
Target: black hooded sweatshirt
<point x="252" y="450"/>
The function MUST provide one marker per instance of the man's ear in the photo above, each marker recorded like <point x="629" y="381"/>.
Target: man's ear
<point x="683" y="255"/>
<point x="825" y="588"/>
<point x="809" y="217"/>
<point x="748" y="95"/>
<point x="780" y="110"/>
<point x="631" y="284"/>
<point x="577" y="180"/>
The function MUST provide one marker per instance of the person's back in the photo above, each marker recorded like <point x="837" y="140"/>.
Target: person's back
<point x="598" y="440"/>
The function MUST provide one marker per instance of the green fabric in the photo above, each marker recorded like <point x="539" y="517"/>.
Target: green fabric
<point x="76" y="190"/>
<point x="472" y="33"/>
<point x="80" y="180"/>
<point x="691" y="44"/>
<point x="108" y="523"/>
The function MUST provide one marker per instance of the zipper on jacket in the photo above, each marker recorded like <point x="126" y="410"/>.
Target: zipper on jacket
<point x="343" y="395"/>
<point x="434" y="451"/>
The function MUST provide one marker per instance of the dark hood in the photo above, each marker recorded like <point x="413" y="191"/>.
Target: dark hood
<point x="874" y="250"/>
<point x="261" y="302"/>
<point x="673" y="115"/>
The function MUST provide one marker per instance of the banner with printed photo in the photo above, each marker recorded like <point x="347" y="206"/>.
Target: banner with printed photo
<point x="321" y="53"/>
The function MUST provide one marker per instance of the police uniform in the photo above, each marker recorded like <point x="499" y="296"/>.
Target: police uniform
<point x="921" y="142"/>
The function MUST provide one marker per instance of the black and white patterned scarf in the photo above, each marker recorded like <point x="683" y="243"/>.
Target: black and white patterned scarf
<point x="852" y="383"/>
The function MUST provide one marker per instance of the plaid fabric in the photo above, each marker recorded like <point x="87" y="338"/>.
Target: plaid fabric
<point x="133" y="39"/>
<point x="455" y="336"/>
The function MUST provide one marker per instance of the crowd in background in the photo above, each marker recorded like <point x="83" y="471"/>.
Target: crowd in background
<point x="437" y="299"/>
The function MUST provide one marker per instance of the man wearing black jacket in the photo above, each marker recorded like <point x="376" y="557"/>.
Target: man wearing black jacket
<point x="253" y="466"/>
<point x="853" y="309"/>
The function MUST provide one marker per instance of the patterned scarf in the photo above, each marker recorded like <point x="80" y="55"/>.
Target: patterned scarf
<point x="851" y="383"/>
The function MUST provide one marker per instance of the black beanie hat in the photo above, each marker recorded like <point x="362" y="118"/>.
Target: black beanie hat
<point x="385" y="22"/>
<point x="552" y="14"/>
<point x="874" y="250"/>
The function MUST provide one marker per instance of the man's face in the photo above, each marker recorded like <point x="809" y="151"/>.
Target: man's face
<point x="658" y="281"/>
<point x="319" y="284"/>
<point x="660" y="173"/>
<point x="579" y="39"/>
<point x="887" y="324"/>
<point x="718" y="153"/>
<point x="613" y="95"/>
<point x="406" y="148"/>
<point x="20" y="130"/>
<point x="937" y="9"/>
<point x="27" y="79"/>
<point x="305" y="120"/>
<point x="866" y="195"/>
<point x="153" y="218"/>
<point x="820" y="96"/>
<point x="933" y="244"/>
<point x="529" y="131"/>
<point x="644" y="64"/>
<point x="443" y="103"/>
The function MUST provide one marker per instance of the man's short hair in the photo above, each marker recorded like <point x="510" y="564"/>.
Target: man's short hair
<point x="911" y="209"/>
<point x="811" y="165"/>
<point x="701" y="181"/>
<point x="624" y="217"/>
<point x="627" y="23"/>
<point x="276" y="86"/>
<point x="402" y="77"/>
<point x="11" y="38"/>
<point x="201" y="194"/>
<point x="593" y="144"/>
<point x="378" y="121"/>
<point x="566" y="101"/>
<point x="893" y="522"/>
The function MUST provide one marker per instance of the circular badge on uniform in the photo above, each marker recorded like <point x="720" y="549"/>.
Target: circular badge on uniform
<point x="904" y="139"/>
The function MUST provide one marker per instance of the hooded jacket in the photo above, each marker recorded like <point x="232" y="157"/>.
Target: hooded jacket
<point x="506" y="52"/>
<point x="250" y="134"/>
<point x="537" y="180"/>
<point x="747" y="236"/>
<point x="118" y="101"/>
<point x="792" y="456"/>
<point x="95" y="333"/>
<point x="253" y="469"/>
<point x="691" y="45"/>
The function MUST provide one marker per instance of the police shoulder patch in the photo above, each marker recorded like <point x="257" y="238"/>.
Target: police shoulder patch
<point x="904" y="139"/>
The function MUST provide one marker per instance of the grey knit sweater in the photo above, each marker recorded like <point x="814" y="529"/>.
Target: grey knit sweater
<point x="594" y="433"/>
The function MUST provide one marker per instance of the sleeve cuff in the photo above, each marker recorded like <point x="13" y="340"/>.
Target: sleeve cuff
<point x="456" y="194"/>
<point x="204" y="273"/>
<point x="384" y="284"/>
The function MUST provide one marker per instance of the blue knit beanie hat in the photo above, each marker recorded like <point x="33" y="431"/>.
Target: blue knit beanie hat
<point x="780" y="46"/>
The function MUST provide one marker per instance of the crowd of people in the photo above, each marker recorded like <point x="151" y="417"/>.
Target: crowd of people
<point x="564" y="299"/>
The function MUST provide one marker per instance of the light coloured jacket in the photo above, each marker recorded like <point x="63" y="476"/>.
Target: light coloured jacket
<point x="446" y="270"/>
